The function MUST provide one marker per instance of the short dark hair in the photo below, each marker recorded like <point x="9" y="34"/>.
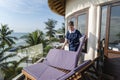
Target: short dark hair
<point x="71" y="23"/>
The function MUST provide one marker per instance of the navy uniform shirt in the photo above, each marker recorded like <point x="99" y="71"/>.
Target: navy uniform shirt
<point x="73" y="40"/>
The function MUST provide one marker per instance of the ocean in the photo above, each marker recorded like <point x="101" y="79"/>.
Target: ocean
<point x="19" y="42"/>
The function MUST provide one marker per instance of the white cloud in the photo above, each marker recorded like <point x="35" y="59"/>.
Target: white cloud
<point x="23" y="6"/>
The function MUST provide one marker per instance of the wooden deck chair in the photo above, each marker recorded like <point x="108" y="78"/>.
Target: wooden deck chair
<point x="85" y="71"/>
<point x="51" y="73"/>
<point x="57" y="63"/>
<point x="77" y="73"/>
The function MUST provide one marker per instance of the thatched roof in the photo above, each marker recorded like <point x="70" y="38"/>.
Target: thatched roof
<point x="57" y="6"/>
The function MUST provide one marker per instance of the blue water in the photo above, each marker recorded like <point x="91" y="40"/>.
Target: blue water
<point x="19" y="42"/>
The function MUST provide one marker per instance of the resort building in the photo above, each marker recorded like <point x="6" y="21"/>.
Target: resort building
<point x="98" y="19"/>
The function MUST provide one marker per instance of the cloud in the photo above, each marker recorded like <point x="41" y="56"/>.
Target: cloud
<point x="23" y="6"/>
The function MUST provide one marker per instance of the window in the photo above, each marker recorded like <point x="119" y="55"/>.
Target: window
<point x="80" y="19"/>
<point x="114" y="29"/>
<point x="82" y="23"/>
<point x="103" y="23"/>
<point x="110" y="27"/>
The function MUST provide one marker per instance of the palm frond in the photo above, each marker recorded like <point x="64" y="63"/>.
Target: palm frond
<point x="9" y="32"/>
<point x="6" y="57"/>
<point x="5" y="64"/>
<point x="22" y="60"/>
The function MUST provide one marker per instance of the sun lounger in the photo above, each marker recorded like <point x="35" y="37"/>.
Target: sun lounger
<point x="56" y="64"/>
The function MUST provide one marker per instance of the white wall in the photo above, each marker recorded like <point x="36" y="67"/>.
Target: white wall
<point x="76" y="5"/>
<point x="91" y="47"/>
<point x="93" y="21"/>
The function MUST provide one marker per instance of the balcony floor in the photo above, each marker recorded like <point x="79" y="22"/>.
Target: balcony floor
<point x="112" y="67"/>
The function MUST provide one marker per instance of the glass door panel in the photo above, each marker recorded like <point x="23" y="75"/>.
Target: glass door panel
<point x="82" y="23"/>
<point x="114" y="29"/>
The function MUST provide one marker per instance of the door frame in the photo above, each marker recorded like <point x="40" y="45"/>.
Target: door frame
<point x="109" y="6"/>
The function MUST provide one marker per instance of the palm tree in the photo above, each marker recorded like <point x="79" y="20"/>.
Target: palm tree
<point x="10" y="68"/>
<point x="3" y="57"/>
<point x="5" y="36"/>
<point x="50" y="25"/>
<point x="13" y="69"/>
<point x="62" y="30"/>
<point x="6" y="42"/>
<point x="34" y="38"/>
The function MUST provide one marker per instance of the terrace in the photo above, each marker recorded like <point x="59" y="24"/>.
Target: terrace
<point x="107" y="63"/>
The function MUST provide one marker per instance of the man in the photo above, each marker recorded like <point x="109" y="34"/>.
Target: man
<point x="72" y="37"/>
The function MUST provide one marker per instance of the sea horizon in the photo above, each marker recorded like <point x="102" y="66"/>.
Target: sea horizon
<point x="20" y="41"/>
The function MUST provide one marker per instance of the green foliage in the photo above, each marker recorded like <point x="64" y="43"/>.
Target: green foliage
<point x="50" y="25"/>
<point x="13" y="69"/>
<point x="45" y="43"/>
<point x="47" y="48"/>
<point x="61" y="30"/>
<point x="34" y="38"/>
<point x="10" y="68"/>
<point x="3" y="57"/>
<point x="54" y="39"/>
<point x="36" y="58"/>
<point x="5" y="36"/>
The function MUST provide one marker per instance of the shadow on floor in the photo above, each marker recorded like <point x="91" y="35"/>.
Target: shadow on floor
<point x="112" y="67"/>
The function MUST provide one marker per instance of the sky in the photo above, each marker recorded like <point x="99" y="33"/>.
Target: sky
<point x="27" y="15"/>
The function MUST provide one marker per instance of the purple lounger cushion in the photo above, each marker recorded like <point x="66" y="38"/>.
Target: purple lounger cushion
<point x="51" y="73"/>
<point x="61" y="59"/>
<point x="43" y="72"/>
<point x="56" y="58"/>
<point x="64" y="59"/>
<point x="79" y="68"/>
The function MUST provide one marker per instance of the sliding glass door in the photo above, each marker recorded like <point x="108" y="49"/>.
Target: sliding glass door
<point x="114" y="29"/>
<point x="110" y="28"/>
